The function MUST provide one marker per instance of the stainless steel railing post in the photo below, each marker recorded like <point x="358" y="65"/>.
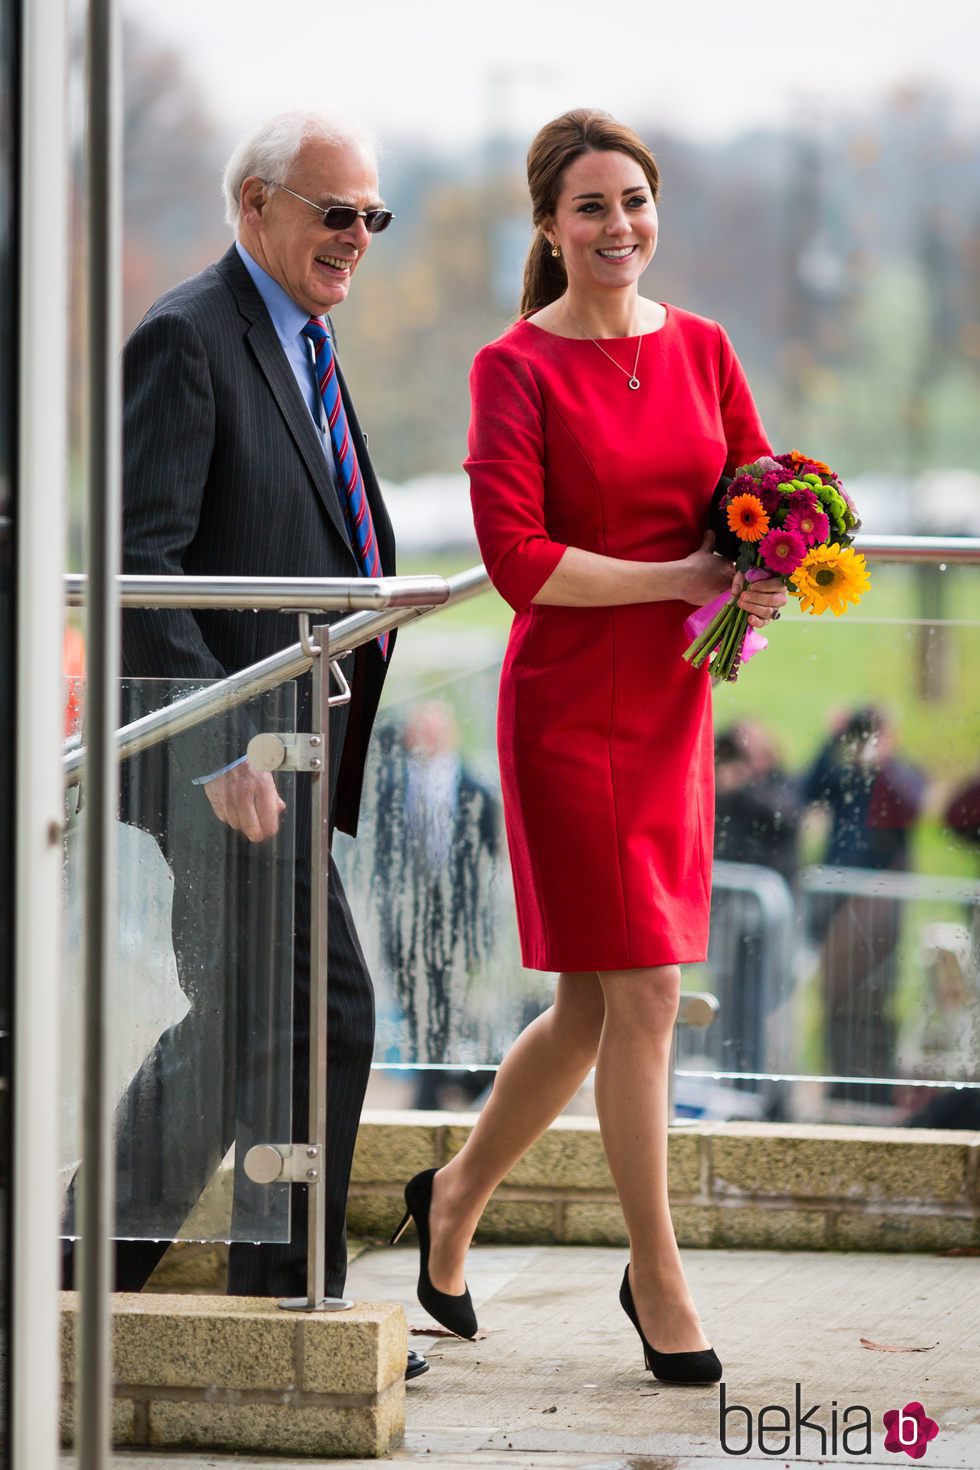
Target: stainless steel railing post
<point x="319" y="920"/>
<point x="315" y="1162"/>
<point x="104" y="115"/>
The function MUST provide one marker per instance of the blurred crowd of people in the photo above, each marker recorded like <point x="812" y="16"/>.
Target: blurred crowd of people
<point x="871" y="799"/>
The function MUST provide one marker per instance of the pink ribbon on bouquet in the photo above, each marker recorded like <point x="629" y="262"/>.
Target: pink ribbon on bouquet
<point x="753" y="642"/>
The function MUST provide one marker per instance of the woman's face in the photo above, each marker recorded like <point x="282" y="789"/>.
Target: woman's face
<point x="605" y="222"/>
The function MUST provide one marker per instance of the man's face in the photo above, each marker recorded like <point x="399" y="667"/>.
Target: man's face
<point x="289" y="240"/>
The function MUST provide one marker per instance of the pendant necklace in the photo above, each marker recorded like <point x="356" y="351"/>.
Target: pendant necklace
<point x="633" y="380"/>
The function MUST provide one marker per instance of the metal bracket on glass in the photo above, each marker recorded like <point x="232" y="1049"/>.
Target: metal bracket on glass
<point x="292" y="1163"/>
<point x="283" y="1163"/>
<point x="296" y="752"/>
<point x="698" y="1008"/>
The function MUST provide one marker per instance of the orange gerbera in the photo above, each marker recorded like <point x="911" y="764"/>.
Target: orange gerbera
<point x="818" y="464"/>
<point x="747" y="518"/>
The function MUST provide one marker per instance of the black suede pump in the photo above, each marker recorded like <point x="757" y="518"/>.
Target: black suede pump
<point x="454" y="1312"/>
<point x="699" y="1367"/>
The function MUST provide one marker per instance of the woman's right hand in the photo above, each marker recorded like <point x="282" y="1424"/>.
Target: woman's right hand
<point x="704" y="575"/>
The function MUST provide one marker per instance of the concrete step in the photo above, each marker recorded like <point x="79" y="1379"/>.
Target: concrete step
<point x="240" y="1374"/>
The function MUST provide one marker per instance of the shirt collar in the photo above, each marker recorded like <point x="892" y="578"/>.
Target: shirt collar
<point x="287" y="318"/>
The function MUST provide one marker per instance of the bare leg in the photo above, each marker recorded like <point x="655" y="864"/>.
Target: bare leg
<point x="542" y="1071"/>
<point x="631" y="1100"/>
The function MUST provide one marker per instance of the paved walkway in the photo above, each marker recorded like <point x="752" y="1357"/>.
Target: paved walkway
<point x="558" y="1382"/>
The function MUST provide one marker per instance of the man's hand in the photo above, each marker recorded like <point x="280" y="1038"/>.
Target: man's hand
<point x="247" y="801"/>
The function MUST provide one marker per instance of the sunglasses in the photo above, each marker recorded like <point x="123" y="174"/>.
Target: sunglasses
<point x="342" y="216"/>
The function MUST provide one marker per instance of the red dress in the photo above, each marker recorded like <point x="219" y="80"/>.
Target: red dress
<point x="604" y="732"/>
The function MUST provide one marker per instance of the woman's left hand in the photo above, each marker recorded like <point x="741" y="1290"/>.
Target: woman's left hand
<point x="761" y="600"/>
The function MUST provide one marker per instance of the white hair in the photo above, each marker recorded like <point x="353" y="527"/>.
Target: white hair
<point x="270" y="150"/>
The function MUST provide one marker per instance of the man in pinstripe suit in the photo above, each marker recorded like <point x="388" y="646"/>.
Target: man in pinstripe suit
<point x="229" y="469"/>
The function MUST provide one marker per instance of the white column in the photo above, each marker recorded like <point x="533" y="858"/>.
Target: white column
<point x="40" y="512"/>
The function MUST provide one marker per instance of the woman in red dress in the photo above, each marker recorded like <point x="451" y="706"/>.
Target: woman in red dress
<point x="601" y="424"/>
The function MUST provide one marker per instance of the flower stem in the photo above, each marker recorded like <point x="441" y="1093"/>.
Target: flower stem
<point x="725" y="664"/>
<point x="703" y="644"/>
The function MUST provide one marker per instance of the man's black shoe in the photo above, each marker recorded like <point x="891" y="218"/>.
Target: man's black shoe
<point x="416" y="1364"/>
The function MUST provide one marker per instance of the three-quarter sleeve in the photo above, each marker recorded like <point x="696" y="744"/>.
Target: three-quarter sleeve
<point x="506" y="469"/>
<point x="745" y="436"/>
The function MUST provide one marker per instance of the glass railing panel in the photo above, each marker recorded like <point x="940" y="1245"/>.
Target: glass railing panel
<point x="200" y="1035"/>
<point x="429" y="883"/>
<point x="847" y="774"/>
<point x="844" y="948"/>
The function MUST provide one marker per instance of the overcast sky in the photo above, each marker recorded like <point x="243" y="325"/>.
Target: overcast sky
<point x="426" y="68"/>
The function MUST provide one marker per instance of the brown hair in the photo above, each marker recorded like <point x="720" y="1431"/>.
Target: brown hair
<point x="559" y="143"/>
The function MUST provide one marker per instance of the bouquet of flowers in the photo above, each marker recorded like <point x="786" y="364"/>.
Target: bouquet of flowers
<point x="792" y="518"/>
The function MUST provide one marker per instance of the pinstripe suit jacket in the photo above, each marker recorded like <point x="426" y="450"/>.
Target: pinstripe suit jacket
<point x="224" y="473"/>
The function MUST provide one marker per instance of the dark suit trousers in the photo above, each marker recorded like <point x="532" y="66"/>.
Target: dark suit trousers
<point x="216" y="1077"/>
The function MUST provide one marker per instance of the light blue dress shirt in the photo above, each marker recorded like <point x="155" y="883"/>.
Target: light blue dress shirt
<point x="289" y="321"/>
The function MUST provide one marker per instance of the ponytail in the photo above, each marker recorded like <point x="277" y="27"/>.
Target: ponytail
<point x="544" y="275"/>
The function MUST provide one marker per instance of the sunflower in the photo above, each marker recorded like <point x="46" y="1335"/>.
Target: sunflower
<point x="747" y="518"/>
<point x="830" y="576"/>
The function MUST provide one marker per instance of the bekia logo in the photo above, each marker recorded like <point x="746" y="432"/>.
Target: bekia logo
<point x="909" y="1430"/>
<point x="818" y="1431"/>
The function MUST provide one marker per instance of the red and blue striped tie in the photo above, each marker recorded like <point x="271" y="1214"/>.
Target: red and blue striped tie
<point x="360" y="524"/>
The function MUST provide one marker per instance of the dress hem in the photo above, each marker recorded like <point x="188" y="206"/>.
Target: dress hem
<point x="632" y="964"/>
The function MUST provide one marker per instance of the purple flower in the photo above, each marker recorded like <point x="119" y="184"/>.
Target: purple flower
<point x="771" y="480"/>
<point x="742" y="485"/>
<point x="802" y="500"/>
<point x="770" y="497"/>
<point x="782" y="551"/>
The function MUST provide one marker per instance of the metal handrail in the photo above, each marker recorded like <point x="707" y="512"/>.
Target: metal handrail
<point x="237" y="689"/>
<point x="275" y="594"/>
<point x="959" y="550"/>
<point x="360" y="628"/>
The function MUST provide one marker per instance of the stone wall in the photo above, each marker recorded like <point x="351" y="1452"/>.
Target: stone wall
<point x="752" y="1185"/>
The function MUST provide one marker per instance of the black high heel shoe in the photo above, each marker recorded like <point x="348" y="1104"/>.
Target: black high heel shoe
<point x="454" y="1312"/>
<point x="699" y="1367"/>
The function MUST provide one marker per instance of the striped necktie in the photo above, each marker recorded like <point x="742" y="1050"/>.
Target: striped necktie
<point x="353" y="497"/>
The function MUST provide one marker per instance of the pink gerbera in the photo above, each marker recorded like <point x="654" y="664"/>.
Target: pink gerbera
<point x="782" y="551"/>
<point x="812" y="525"/>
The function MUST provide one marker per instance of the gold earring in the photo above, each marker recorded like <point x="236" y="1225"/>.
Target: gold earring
<point x="556" y="252"/>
